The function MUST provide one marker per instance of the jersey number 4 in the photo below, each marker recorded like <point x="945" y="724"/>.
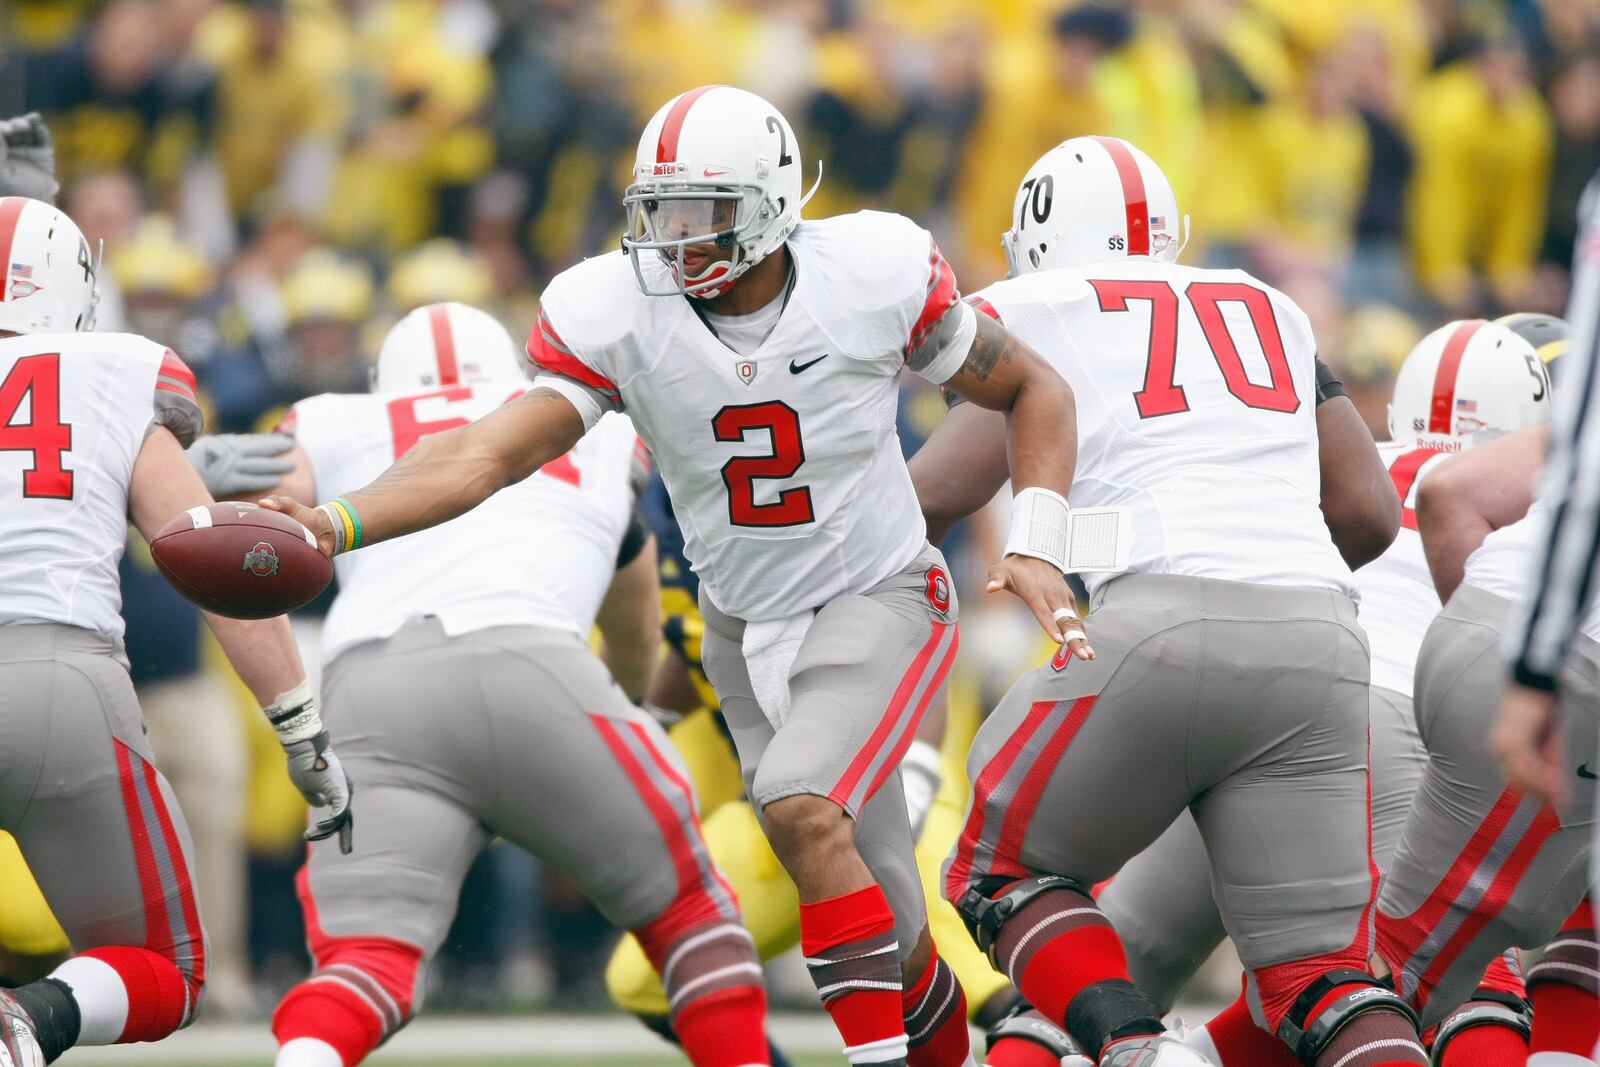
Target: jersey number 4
<point x="1162" y="395"/>
<point x="38" y="380"/>
<point x="793" y="506"/>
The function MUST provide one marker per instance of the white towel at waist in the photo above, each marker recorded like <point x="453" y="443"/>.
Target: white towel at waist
<point x="769" y="650"/>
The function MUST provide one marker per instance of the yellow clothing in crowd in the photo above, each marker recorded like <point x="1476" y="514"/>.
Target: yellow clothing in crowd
<point x="1314" y="172"/>
<point x="1477" y="197"/>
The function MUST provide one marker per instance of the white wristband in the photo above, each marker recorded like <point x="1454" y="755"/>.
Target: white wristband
<point x="294" y="715"/>
<point x="1039" y="526"/>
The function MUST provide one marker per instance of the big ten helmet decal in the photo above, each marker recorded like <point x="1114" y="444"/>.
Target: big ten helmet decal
<point x="440" y="345"/>
<point x="717" y="168"/>
<point x="1090" y="200"/>
<point x="1465" y="378"/>
<point x="48" y="274"/>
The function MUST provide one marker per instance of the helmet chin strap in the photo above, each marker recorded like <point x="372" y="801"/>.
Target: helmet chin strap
<point x="804" y="200"/>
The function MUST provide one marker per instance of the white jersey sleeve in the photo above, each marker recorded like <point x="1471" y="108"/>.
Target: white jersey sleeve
<point x="1501" y="564"/>
<point x="1196" y="410"/>
<point x="539" y="553"/>
<point x="74" y="412"/>
<point x="1398" y="600"/>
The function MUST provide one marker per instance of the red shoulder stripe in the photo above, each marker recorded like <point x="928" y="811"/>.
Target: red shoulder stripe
<point x="174" y="376"/>
<point x="983" y="307"/>
<point x="549" y="352"/>
<point x="942" y="296"/>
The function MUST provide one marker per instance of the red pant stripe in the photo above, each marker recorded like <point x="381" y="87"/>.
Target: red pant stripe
<point x="686" y="792"/>
<point x="993" y="774"/>
<point x="1020" y="811"/>
<point x="157" y="931"/>
<point x="1494" y="901"/>
<point x="940" y="671"/>
<point x="1427" y="916"/>
<point x="195" y="971"/>
<point x="884" y="734"/>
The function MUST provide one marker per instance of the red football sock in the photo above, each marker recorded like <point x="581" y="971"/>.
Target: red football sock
<point x="1241" y="1043"/>
<point x="331" y="1013"/>
<point x="154" y="993"/>
<point x="1019" y="1052"/>
<point x="1565" y="1019"/>
<point x="854" y="960"/>
<point x="724" y="1029"/>
<point x="1486" y="1046"/>
<point x="935" y="1011"/>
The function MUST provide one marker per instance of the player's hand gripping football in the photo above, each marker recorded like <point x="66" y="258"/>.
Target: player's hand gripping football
<point x="314" y="519"/>
<point x="1040" y="586"/>
<point x="313" y="767"/>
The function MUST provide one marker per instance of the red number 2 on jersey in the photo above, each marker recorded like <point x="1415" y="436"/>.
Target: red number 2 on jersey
<point x="44" y="434"/>
<point x="1162" y="395"/>
<point x="407" y="429"/>
<point x="793" y="506"/>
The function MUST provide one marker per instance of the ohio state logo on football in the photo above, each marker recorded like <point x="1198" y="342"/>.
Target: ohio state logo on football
<point x="938" y="589"/>
<point x="262" y="560"/>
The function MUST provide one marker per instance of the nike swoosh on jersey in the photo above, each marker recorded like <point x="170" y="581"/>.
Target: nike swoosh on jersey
<point x="796" y="368"/>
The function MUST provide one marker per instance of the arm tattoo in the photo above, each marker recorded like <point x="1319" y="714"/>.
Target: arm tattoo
<point x="992" y="344"/>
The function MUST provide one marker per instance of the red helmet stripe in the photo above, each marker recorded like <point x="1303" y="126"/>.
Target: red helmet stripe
<point x="672" y="126"/>
<point x="1133" y="195"/>
<point x="10" y="211"/>
<point x="444" y="344"/>
<point x="1441" y="416"/>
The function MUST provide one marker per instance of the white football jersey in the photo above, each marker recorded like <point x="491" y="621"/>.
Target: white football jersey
<point x="1502" y="564"/>
<point x="1398" y="600"/>
<point x="539" y="553"/>
<point x="784" y="467"/>
<point x="1196" y="397"/>
<point x="75" y="409"/>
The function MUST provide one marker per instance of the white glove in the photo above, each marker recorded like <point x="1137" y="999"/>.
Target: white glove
<point x="234" y="463"/>
<point x="313" y="767"/>
<point x="27" y="158"/>
<point x="920" y="776"/>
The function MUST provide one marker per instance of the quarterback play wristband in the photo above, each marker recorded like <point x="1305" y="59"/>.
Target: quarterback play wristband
<point x="294" y="715"/>
<point x="1039" y="526"/>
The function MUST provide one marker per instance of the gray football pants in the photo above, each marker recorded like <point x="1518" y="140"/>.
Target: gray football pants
<point x="860" y="685"/>
<point x="79" y="790"/>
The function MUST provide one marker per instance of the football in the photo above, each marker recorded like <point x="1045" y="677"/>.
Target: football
<point x="241" y="560"/>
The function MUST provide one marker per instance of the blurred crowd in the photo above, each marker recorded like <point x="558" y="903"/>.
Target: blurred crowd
<point x="274" y="182"/>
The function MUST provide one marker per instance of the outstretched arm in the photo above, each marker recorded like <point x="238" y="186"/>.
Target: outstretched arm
<point x="1003" y="374"/>
<point x="450" y="473"/>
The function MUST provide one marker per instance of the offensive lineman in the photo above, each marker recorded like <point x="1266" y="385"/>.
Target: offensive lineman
<point x="759" y="358"/>
<point x="1490" y="381"/>
<point x="460" y="682"/>
<point x="92" y="429"/>
<point x="1232" y="674"/>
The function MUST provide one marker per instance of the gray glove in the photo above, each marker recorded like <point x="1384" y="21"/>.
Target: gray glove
<point x="235" y="463"/>
<point x="27" y="158"/>
<point x="313" y="768"/>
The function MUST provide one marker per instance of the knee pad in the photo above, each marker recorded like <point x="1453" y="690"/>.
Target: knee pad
<point x="984" y="913"/>
<point x="1486" y="1007"/>
<point x="1307" y="1038"/>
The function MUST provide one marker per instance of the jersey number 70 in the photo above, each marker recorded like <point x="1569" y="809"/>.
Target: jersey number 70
<point x="1162" y="395"/>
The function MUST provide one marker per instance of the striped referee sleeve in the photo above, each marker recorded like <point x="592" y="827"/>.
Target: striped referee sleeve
<point x="1563" y="582"/>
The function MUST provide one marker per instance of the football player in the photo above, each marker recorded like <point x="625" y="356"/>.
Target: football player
<point x="760" y="358"/>
<point x="1161" y="902"/>
<point x="1232" y="675"/>
<point x="92" y="429"/>
<point x="457" y="671"/>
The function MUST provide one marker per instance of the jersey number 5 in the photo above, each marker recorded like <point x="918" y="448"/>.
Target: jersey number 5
<point x="1161" y="394"/>
<point x="793" y="506"/>
<point x="37" y="378"/>
<point x="407" y="428"/>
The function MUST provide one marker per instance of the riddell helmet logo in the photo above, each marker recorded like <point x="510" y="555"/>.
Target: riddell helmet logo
<point x="938" y="589"/>
<point x="262" y="560"/>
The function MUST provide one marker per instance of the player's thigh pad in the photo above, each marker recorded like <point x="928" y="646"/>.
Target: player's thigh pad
<point x="588" y="782"/>
<point x="79" y="789"/>
<point x="1480" y="867"/>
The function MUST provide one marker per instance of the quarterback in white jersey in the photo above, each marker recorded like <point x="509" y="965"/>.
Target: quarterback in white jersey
<point x="759" y="357"/>
<point x="1231" y="678"/>
<point x="460" y="682"/>
<point x="92" y="429"/>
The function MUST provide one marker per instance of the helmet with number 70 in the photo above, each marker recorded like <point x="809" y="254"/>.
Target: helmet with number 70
<point x="445" y="344"/>
<point x="716" y="189"/>
<point x="1467" y="378"/>
<point x="1091" y="200"/>
<point x="48" y="272"/>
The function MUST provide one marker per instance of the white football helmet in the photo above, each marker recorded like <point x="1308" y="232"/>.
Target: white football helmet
<point x="716" y="166"/>
<point x="48" y="272"/>
<point x="445" y="344"/>
<point x="1089" y="200"/>
<point x="1465" y="378"/>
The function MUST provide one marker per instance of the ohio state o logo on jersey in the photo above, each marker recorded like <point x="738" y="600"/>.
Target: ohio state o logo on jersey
<point x="1059" y="661"/>
<point x="747" y="371"/>
<point x="938" y="589"/>
<point x="262" y="560"/>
